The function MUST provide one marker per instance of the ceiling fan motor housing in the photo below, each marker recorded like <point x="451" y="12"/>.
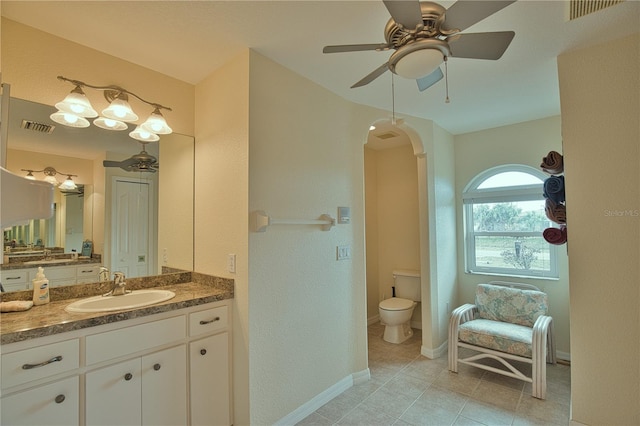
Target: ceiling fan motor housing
<point x="418" y="51"/>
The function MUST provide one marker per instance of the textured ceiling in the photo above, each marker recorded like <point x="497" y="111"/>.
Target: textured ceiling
<point x="189" y="39"/>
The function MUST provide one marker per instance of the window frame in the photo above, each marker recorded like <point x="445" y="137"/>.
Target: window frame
<point x="473" y="195"/>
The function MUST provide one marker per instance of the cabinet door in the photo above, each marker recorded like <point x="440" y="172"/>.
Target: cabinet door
<point x="113" y="395"/>
<point x="164" y="387"/>
<point x="57" y="403"/>
<point x="209" y="374"/>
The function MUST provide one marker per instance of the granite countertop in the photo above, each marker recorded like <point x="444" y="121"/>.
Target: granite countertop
<point x="191" y="289"/>
<point x="47" y="264"/>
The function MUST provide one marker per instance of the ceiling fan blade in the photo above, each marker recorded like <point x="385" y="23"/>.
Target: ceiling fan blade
<point x="123" y="163"/>
<point x="405" y="12"/>
<point x="354" y="48"/>
<point x="464" y="13"/>
<point x="425" y="82"/>
<point x="372" y="75"/>
<point x="481" y="45"/>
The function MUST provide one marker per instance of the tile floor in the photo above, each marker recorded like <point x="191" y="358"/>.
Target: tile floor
<point x="407" y="388"/>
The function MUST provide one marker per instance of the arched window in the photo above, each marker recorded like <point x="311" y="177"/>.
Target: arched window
<point x="504" y="219"/>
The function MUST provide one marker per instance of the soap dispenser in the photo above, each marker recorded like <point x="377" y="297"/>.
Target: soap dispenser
<point x="40" y="288"/>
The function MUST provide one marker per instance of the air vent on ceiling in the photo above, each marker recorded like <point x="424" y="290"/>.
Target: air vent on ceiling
<point x="37" y="127"/>
<point x="387" y="135"/>
<point x="579" y="8"/>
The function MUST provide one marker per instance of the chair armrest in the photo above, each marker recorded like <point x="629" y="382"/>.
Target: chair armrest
<point x="543" y="338"/>
<point x="463" y="313"/>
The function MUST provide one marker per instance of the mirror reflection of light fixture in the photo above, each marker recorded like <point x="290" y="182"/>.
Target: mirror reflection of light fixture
<point x="50" y="176"/>
<point x="144" y="136"/>
<point x="74" y="110"/>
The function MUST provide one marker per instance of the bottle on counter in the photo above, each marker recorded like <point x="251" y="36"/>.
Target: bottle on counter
<point x="40" y="288"/>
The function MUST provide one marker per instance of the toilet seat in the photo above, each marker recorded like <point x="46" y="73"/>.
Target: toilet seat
<point x="396" y="304"/>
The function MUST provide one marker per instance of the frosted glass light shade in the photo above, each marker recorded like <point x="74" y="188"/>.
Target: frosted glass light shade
<point x="142" y="135"/>
<point x="120" y="110"/>
<point x="419" y="63"/>
<point x="77" y="103"/>
<point x="68" y="184"/>
<point x="156" y="124"/>
<point x="51" y="179"/>
<point x="110" y="124"/>
<point x="69" y="119"/>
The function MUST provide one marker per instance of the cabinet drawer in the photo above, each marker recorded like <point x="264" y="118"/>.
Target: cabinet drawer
<point x="55" y="404"/>
<point x="17" y="276"/>
<point x="88" y="273"/>
<point x="57" y="273"/>
<point x="39" y="362"/>
<point x="112" y="344"/>
<point x="208" y="321"/>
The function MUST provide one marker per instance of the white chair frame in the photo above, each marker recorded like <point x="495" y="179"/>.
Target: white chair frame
<point x="543" y="347"/>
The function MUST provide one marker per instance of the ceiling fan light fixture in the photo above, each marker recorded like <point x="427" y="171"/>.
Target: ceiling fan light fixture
<point x="110" y="124"/>
<point x="120" y="110"/>
<point x="139" y="133"/>
<point x="156" y="124"/>
<point x="77" y="103"/>
<point x="418" y="59"/>
<point x="69" y="119"/>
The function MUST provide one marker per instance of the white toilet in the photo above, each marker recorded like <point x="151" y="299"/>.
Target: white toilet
<point x="395" y="313"/>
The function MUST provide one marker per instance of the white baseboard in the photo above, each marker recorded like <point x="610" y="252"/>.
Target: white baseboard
<point x="306" y="409"/>
<point x="373" y="320"/>
<point x="563" y="355"/>
<point x="434" y="353"/>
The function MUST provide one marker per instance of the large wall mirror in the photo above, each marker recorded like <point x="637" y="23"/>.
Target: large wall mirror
<point x="93" y="212"/>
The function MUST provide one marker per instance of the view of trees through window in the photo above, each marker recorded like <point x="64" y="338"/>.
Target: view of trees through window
<point x="509" y="235"/>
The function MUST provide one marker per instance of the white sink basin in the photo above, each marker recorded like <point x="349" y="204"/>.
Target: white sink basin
<point x="135" y="299"/>
<point x="47" y="262"/>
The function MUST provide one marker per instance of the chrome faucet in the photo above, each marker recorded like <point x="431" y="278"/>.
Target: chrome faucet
<point x="119" y="285"/>
<point x="103" y="275"/>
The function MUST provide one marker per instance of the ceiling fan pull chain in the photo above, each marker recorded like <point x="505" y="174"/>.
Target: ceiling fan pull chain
<point x="393" y="102"/>
<point x="446" y="79"/>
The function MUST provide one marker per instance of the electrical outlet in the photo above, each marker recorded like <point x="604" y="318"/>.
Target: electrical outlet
<point x="165" y="256"/>
<point x="231" y="263"/>
<point x="343" y="252"/>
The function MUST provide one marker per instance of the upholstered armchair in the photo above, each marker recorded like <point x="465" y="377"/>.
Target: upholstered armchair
<point x="505" y="324"/>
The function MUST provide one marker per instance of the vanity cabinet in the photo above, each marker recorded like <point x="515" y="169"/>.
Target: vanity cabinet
<point x="171" y="368"/>
<point x="20" y="279"/>
<point x="151" y="390"/>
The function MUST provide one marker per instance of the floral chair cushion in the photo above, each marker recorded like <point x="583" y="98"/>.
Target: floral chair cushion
<point x="500" y="336"/>
<point x="510" y="305"/>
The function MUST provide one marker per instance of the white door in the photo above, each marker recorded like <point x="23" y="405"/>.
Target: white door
<point x="131" y="222"/>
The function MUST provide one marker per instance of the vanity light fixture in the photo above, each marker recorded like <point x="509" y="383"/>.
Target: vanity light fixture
<point x="50" y="176"/>
<point x="74" y="110"/>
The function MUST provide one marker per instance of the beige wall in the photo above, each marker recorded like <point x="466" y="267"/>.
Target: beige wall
<point x="307" y="323"/>
<point x="523" y="143"/>
<point x="221" y="201"/>
<point x="600" y="98"/>
<point x="391" y="178"/>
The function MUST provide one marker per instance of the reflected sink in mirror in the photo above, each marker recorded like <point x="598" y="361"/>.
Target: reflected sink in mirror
<point x="47" y="262"/>
<point x="135" y="299"/>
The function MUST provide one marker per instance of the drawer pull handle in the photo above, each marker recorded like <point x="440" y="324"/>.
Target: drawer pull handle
<point x="203" y="322"/>
<point x="42" y="364"/>
<point x="128" y="376"/>
<point x="156" y="367"/>
<point x="203" y="351"/>
<point x="12" y="278"/>
<point x="88" y="272"/>
<point x="59" y="399"/>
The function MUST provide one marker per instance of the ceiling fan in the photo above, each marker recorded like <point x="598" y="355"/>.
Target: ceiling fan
<point x="142" y="162"/>
<point x="425" y="34"/>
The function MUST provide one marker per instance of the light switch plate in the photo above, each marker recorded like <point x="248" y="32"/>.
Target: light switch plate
<point x="231" y="263"/>
<point x="344" y="215"/>
<point x="343" y="252"/>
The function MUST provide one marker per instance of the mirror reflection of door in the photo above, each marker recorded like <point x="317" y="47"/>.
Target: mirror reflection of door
<point x="132" y="223"/>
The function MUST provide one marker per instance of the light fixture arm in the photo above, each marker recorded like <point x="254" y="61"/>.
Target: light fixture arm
<point x="112" y="92"/>
<point x="48" y="171"/>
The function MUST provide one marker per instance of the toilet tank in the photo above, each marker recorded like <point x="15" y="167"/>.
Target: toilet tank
<point x="407" y="284"/>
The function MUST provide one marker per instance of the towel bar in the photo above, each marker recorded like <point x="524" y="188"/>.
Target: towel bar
<point x="260" y="221"/>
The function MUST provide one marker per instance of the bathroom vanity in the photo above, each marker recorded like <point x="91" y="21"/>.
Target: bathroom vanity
<point x="167" y="363"/>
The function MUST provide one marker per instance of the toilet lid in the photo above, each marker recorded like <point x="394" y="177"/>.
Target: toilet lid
<point x="396" y="304"/>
